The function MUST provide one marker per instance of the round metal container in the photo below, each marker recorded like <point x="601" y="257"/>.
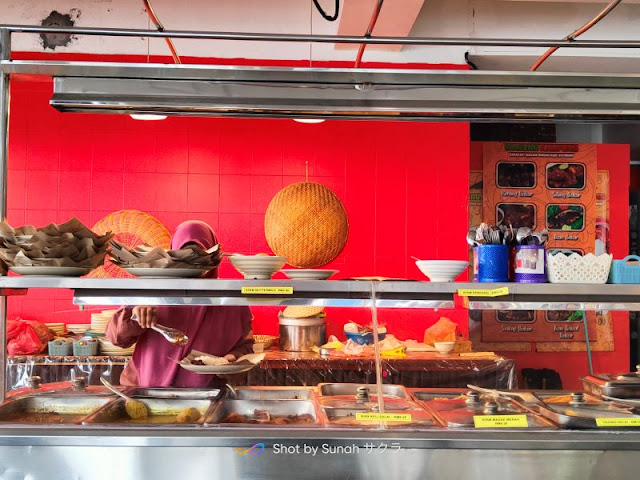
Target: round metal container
<point x="301" y="334"/>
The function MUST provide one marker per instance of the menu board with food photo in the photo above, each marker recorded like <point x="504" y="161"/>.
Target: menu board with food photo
<point x="532" y="326"/>
<point x="543" y="186"/>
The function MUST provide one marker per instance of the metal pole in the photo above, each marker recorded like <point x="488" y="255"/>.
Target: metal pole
<point x="5" y="54"/>
<point x="586" y="340"/>
<point x="376" y="350"/>
<point x="278" y="37"/>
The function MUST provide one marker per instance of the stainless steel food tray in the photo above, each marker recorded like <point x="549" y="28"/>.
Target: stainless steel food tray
<point x="349" y="402"/>
<point x="334" y="389"/>
<point x="183" y="393"/>
<point x="616" y="385"/>
<point x="277" y="408"/>
<point x="451" y="408"/>
<point x="51" y="408"/>
<point x="581" y="415"/>
<point x="347" y="418"/>
<point x="273" y="393"/>
<point x="426" y="394"/>
<point x="162" y="412"/>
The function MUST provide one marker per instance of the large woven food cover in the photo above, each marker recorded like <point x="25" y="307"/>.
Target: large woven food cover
<point x="306" y="223"/>
<point x="132" y="228"/>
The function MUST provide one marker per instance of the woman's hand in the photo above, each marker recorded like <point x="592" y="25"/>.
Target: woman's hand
<point x="146" y="315"/>
<point x="230" y="357"/>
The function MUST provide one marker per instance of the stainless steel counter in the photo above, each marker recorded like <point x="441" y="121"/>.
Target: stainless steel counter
<point x="212" y="453"/>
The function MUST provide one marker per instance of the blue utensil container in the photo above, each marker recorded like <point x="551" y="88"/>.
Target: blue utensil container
<point x="493" y="263"/>
<point x="530" y="264"/>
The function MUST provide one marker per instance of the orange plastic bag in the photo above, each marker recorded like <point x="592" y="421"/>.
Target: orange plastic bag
<point x="444" y="330"/>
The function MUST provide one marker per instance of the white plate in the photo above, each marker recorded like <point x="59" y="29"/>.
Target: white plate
<point x="308" y="273"/>
<point x="166" y="272"/>
<point x="51" y="271"/>
<point x="229" y="369"/>
<point x="243" y="364"/>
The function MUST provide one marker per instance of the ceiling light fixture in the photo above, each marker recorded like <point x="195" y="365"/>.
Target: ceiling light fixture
<point x="316" y="94"/>
<point x="147" y="116"/>
<point x="308" y="120"/>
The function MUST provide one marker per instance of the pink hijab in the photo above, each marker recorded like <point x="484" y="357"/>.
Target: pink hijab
<point x="195" y="231"/>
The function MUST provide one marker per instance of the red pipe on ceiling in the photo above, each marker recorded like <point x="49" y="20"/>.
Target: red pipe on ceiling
<point x="372" y="24"/>
<point x="154" y="18"/>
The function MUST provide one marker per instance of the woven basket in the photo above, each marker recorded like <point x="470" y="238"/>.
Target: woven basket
<point x="306" y="223"/>
<point x="133" y="228"/>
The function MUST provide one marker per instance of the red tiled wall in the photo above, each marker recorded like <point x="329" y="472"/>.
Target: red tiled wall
<point x="404" y="186"/>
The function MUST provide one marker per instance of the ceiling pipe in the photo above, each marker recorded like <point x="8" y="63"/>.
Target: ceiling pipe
<point x="154" y="18"/>
<point x="278" y="37"/>
<point x="572" y="36"/>
<point x="372" y="25"/>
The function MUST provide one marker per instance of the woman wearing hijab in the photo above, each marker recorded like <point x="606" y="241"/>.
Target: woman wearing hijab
<point x="222" y="331"/>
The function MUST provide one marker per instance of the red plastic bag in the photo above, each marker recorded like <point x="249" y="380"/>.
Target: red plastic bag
<point x="26" y="337"/>
<point x="14" y="327"/>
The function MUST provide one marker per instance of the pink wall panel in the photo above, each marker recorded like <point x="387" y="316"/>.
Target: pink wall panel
<point x="404" y="187"/>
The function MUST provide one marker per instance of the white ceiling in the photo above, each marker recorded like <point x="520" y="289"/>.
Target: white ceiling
<point x="438" y="18"/>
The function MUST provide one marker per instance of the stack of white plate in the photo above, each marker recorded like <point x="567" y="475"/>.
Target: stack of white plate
<point x="109" y="349"/>
<point x="58" y="328"/>
<point x="308" y="273"/>
<point x="442" y="270"/>
<point x="99" y="321"/>
<point x="78" y="328"/>
<point x="257" y="267"/>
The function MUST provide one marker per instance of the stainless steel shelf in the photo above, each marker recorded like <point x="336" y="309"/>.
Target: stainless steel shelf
<point x="336" y="293"/>
<point x="346" y="293"/>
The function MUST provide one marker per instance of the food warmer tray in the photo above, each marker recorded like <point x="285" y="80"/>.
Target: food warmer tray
<point x="333" y="389"/>
<point x="356" y="396"/>
<point x="345" y="417"/>
<point x="257" y="409"/>
<point x="577" y="410"/>
<point x="619" y="385"/>
<point x="272" y="393"/>
<point x="184" y="393"/>
<point x="457" y="408"/>
<point x="162" y="412"/>
<point x="51" y="408"/>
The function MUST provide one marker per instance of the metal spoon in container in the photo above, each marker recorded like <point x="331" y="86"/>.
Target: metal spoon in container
<point x="233" y="391"/>
<point x="471" y="238"/>
<point x="522" y="234"/>
<point x="171" y="335"/>
<point x="134" y="408"/>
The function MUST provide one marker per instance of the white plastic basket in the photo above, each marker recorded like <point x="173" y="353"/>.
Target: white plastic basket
<point x="576" y="268"/>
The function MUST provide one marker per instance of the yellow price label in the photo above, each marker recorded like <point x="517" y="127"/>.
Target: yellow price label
<point x="483" y="292"/>
<point x="267" y="290"/>
<point x="618" y="422"/>
<point x="387" y="417"/>
<point x="500" y="421"/>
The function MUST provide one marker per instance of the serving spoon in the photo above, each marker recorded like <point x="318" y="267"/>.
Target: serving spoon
<point x="134" y="408"/>
<point x="171" y="335"/>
